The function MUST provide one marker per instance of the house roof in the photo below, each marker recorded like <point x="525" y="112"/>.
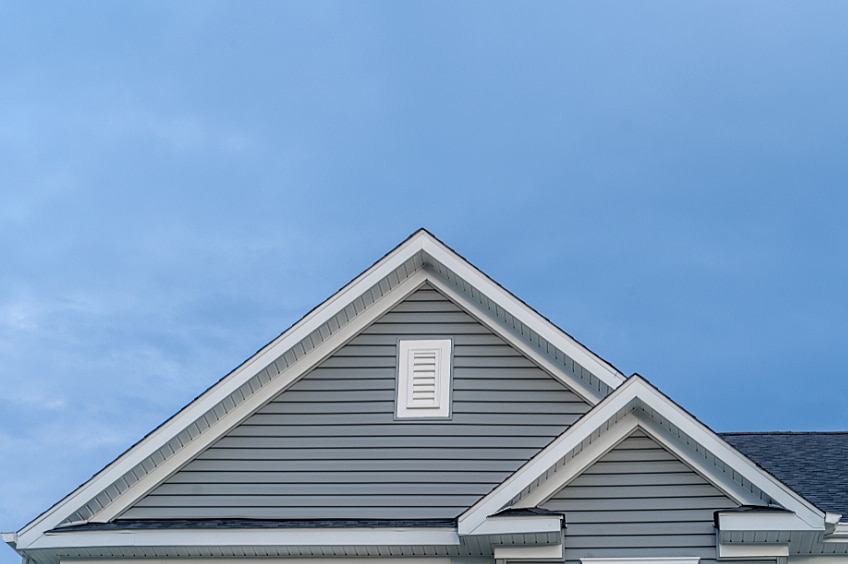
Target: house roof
<point x="812" y="464"/>
<point x="419" y="259"/>
<point x="506" y="522"/>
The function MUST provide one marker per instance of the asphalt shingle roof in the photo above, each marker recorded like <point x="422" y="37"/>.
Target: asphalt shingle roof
<point x="815" y="465"/>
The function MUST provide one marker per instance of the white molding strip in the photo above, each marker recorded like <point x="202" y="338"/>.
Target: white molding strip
<point x="253" y="537"/>
<point x="760" y="521"/>
<point x="519" y="525"/>
<point x="752" y="551"/>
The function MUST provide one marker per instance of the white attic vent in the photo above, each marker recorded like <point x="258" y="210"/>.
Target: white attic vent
<point x="424" y="379"/>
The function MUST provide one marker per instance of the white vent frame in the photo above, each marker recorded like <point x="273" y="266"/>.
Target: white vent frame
<point x="424" y="381"/>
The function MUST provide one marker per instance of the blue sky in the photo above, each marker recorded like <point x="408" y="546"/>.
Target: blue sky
<point x="179" y="182"/>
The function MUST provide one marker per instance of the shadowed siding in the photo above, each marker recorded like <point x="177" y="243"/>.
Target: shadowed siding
<point x="329" y="447"/>
<point x="639" y="500"/>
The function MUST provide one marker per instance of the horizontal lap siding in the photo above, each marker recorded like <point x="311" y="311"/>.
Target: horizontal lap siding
<point x="639" y="500"/>
<point x="329" y="447"/>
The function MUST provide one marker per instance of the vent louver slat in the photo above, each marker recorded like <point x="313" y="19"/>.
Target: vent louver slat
<point x="424" y="384"/>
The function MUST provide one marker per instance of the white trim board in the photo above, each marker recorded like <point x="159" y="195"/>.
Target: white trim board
<point x="254" y="537"/>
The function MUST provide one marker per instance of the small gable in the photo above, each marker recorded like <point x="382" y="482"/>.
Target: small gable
<point x="331" y="447"/>
<point x="639" y="500"/>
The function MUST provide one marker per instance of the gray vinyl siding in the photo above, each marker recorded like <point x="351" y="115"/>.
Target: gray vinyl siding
<point x="639" y="500"/>
<point x="330" y="447"/>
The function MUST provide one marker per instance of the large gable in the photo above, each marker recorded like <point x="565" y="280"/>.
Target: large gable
<point x="315" y="341"/>
<point x="329" y="447"/>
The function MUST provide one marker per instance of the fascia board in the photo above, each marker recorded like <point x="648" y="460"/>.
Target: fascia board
<point x="579" y="387"/>
<point x="531" y="553"/>
<point x="550" y="455"/>
<point x="760" y="521"/>
<point x="752" y="551"/>
<point x="220" y="391"/>
<point x="252" y="537"/>
<point x="519" y="525"/>
<point x="527" y="315"/>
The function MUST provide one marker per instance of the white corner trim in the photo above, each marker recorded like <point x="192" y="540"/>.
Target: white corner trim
<point x="534" y="553"/>
<point x="644" y="560"/>
<point x="252" y="537"/>
<point x="521" y="311"/>
<point x="752" y="551"/>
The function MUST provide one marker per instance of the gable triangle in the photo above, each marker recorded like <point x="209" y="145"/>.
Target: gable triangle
<point x="329" y="446"/>
<point x="642" y="498"/>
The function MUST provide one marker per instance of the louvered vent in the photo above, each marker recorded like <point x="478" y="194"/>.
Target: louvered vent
<point x="424" y="378"/>
<point x="423" y="387"/>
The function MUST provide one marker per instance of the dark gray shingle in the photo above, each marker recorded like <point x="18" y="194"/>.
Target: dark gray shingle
<point x="815" y="465"/>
